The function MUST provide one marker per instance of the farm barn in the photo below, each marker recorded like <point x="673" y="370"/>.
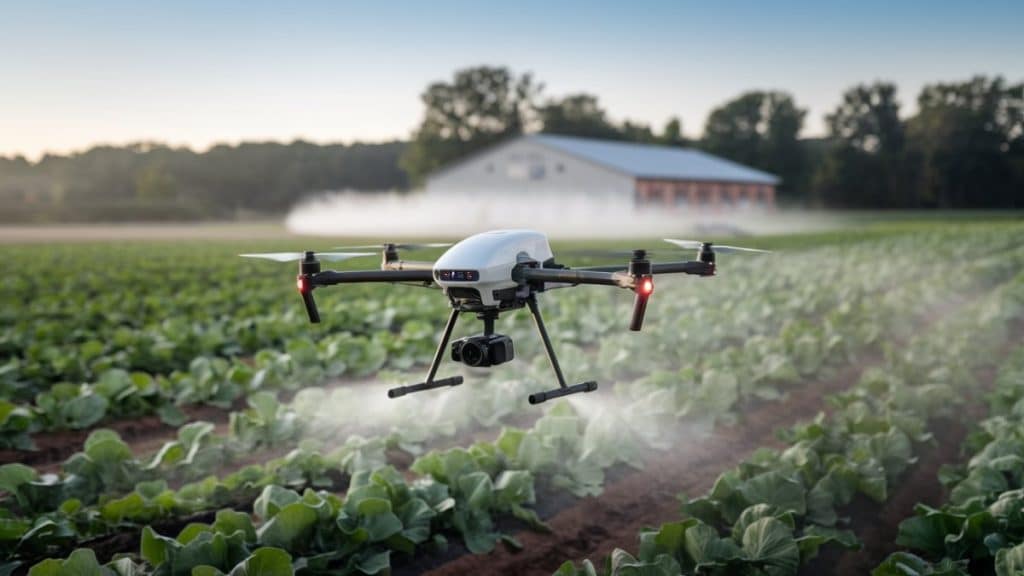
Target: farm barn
<point x="656" y="176"/>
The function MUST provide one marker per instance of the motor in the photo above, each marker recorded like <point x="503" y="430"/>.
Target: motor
<point x="483" y="350"/>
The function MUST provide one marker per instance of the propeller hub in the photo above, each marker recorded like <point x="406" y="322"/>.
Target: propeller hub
<point x="639" y="265"/>
<point x="309" y="265"/>
<point x="706" y="254"/>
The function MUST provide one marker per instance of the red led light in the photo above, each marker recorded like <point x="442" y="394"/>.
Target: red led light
<point x="646" y="286"/>
<point x="301" y="284"/>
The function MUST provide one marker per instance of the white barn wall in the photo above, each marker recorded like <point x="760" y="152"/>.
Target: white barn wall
<point x="526" y="167"/>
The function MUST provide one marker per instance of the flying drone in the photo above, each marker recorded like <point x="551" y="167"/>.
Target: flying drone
<point x="491" y="273"/>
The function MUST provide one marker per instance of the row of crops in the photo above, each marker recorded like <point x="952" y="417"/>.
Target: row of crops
<point x="103" y="332"/>
<point x="129" y="331"/>
<point x="773" y="513"/>
<point x="350" y="510"/>
<point x="980" y="529"/>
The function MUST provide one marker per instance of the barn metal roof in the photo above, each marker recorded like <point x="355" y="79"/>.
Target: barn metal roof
<point x="651" y="161"/>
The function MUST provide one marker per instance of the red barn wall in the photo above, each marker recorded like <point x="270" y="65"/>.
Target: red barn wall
<point x="703" y="193"/>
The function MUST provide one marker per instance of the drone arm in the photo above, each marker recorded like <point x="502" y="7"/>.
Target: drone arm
<point x="331" y="277"/>
<point x="693" y="267"/>
<point x="571" y="276"/>
<point x="614" y="268"/>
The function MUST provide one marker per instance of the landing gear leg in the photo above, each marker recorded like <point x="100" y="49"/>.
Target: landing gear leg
<point x="430" y="383"/>
<point x="563" y="389"/>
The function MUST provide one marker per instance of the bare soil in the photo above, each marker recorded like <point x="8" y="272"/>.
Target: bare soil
<point x="145" y="434"/>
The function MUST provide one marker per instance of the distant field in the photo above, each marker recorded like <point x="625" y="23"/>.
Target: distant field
<point x="848" y="226"/>
<point x="58" y="233"/>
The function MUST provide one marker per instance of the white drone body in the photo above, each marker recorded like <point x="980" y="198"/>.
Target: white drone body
<point x="484" y="262"/>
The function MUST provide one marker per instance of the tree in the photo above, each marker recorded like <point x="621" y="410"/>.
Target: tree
<point x="862" y="167"/>
<point x="479" y="107"/>
<point x="151" y="181"/>
<point x="576" y="115"/>
<point x="672" y="134"/>
<point x="154" y="182"/>
<point x="760" y="129"/>
<point x="967" y="141"/>
<point x="636" y="132"/>
<point x="868" y="118"/>
<point x="582" y="115"/>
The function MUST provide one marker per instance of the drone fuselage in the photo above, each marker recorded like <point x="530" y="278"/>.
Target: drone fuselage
<point x="477" y="273"/>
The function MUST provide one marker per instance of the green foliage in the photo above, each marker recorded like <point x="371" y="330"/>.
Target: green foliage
<point x="479" y="107"/>
<point x="760" y="129"/>
<point x="266" y="422"/>
<point x="16" y="425"/>
<point x="576" y="115"/>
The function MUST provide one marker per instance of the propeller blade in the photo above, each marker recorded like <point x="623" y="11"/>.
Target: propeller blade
<point x="277" y="256"/>
<point x="296" y="256"/>
<point x="719" y="248"/>
<point x="722" y="248"/>
<point x="686" y="244"/>
<point x="342" y="256"/>
<point x="406" y="246"/>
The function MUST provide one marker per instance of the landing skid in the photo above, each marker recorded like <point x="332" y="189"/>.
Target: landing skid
<point x="536" y="398"/>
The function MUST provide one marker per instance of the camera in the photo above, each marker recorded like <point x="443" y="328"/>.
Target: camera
<point x="483" y="350"/>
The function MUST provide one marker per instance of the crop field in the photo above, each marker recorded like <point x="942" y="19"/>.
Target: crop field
<point x="852" y="403"/>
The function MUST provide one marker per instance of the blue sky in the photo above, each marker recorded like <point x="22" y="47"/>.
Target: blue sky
<point x="74" y="74"/>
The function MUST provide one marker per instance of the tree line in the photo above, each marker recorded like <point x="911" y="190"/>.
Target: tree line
<point x="155" y="182"/>
<point x="962" y="148"/>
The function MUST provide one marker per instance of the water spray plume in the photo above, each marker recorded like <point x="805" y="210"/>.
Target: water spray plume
<point x="568" y="215"/>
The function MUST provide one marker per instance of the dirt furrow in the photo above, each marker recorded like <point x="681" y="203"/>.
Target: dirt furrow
<point x="146" y="433"/>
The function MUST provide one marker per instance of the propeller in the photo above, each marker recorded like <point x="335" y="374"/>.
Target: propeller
<point x="296" y="256"/>
<point x="719" y="248"/>
<point x="391" y="245"/>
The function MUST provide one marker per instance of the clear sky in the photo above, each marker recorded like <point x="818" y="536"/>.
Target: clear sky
<point x="78" y="73"/>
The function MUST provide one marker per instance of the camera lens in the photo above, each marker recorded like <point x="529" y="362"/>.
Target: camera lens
<point x="472" y="353"/>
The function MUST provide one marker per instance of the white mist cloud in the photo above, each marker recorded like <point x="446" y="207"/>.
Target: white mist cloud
<point x="569" y="215"/>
